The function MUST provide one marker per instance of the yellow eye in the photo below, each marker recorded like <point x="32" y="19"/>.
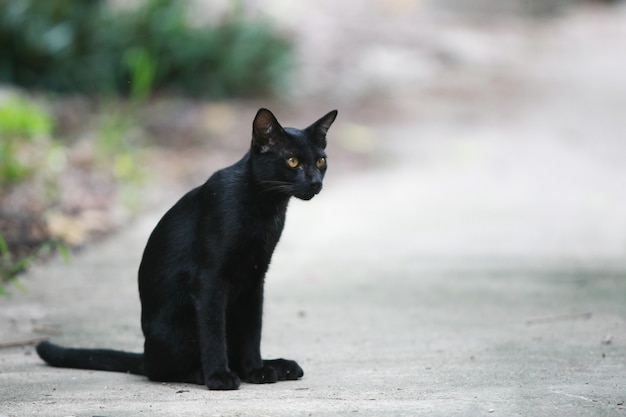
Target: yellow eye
<point x="292" y="162"/>
<point x="321" y="163"/>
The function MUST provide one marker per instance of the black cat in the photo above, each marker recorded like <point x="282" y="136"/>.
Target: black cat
<point x="202" y="272"/>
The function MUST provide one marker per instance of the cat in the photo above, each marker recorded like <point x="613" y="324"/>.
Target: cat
<point x="202" y="271"/>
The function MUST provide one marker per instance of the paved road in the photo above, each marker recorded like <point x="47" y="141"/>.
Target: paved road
<point x="477" y="267"/>
<point x="372" y="291"/>
<point x="401" y="290"/>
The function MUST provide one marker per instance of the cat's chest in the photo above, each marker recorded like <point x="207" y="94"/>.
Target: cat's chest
<point x="262" y="232"/>
<point x="246" y="257"/>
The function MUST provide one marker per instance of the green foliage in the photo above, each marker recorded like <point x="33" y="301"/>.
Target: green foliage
<point x="86" y="46"/>
<point x="121" y="149"/>
<point x="20" y="117"/>
<point x="20" y="122"/>
<point x="25" y="131"/>
<point x="142" y="67"/>
<point x="10" y="268"/>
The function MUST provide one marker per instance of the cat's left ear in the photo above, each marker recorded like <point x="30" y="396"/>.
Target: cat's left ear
<point x="266" y="131"/>
<point x="319" y="129"/>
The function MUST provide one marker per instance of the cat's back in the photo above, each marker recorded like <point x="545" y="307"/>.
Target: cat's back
<point x="194" y="213"/>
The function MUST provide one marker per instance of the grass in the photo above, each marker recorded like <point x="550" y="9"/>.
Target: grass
<point x="20" y="122"/>
<point x="11" y="267"/>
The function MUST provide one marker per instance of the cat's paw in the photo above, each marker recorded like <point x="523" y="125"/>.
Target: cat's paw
<point x="286" y="369"/>
<point x="223" y="381"/>
<point x="263" y="375"/>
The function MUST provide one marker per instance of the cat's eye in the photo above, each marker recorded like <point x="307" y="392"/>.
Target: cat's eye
<point x="321" y="163"/>
<point x="293" y="162"/>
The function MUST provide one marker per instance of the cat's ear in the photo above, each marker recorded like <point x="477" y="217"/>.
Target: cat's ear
<point x="266" y="131"/>
<point x="319" y="129"/>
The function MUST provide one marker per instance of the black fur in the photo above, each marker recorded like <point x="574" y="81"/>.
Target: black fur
<point x="202" y="272"/>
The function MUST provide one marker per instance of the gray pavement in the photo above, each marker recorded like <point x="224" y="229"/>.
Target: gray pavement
<point x="384" y="317"/>
<point x="476" y="267"/>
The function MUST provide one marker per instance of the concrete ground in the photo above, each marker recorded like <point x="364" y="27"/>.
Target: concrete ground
<point x="477" y="266"/>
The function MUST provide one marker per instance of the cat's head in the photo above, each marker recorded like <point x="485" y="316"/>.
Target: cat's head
<point x="286" y="160"/>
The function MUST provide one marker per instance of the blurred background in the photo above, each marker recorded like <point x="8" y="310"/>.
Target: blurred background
<point x="497" y="124"/>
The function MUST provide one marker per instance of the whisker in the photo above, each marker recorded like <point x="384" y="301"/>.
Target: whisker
<point x="273" y="185"/>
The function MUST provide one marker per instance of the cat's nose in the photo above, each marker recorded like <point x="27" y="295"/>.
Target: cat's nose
<point x="316" y="186"/>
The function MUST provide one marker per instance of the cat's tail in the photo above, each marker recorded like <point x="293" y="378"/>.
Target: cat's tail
<point x="96" y="359"/>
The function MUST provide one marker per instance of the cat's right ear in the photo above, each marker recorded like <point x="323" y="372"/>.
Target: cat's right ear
<point x="266" y="131"/>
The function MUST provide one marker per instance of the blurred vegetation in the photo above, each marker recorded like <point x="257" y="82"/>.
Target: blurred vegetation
<point x="20" y="123"/>
<point x="36" y="167"/>
<point x="87" y="46"/>
<point x="25" y="139"/>
<point x="11" y="266"/>
<point x="119" y="146"/>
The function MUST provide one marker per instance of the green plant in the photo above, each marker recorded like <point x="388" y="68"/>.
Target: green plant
<point x="21" y="118"/>
<point x="142" y="66"/>
<point x="119" y="143"/>
<point x="86" y="46"/>
<point x="120" y="147"/>
<point x="11" y="268"/>
<point x="20" y="122"/>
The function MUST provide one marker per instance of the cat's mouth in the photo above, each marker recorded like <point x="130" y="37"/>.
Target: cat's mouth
<point x="308" y="194"/>
<point x="305" y="196"/>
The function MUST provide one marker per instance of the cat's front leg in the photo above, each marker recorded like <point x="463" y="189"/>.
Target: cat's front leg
<point x="244" y="335"/>
<point x="245" y="318"/>
<point x="211" y="311"/>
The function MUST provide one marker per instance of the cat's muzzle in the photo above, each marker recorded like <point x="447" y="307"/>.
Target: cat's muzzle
<point x="307" y="194"/>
